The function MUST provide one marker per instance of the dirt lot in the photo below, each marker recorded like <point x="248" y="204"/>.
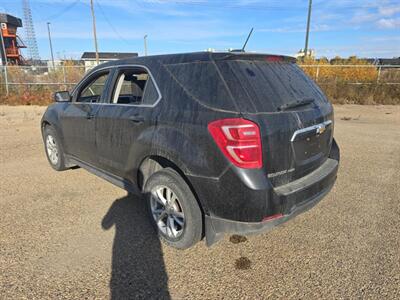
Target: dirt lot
<point x="72" y="235"/>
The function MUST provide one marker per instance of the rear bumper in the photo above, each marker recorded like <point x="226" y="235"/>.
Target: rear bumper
<point x="294" y="198"/>
<point x="239" y="202"/>
<point x="217" y="227"/>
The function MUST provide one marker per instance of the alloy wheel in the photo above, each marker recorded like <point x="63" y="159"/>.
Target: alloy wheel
<point x="167" y="211"/>
<point x="52" y="149"/>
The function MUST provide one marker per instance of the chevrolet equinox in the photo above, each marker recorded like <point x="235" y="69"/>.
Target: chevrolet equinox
<point x="216" y="142"/>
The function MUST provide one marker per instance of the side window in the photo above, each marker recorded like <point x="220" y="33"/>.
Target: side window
<point x="92" y="91"/>
<point x="134" y="86"/>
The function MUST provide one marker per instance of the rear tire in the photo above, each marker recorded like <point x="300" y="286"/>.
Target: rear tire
<point x="173" y="209"/>
<point x="54" y="151"/>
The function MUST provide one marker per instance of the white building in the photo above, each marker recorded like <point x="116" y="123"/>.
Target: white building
<point x="89" y="58"/>
<point x="311" y="53"/>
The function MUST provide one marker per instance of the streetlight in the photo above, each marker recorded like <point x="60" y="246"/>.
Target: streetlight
<point x="51" y="45"/>
<point x="308" y="28"/>
<point x="145" y="45"/>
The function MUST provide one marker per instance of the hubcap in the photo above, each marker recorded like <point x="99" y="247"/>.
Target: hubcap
<point x="167" y="211"/>
<point x="52" y="150"/>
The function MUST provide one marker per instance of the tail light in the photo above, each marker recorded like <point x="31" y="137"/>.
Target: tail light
<point x="239" y="140"/>
<point x="274" y="58"/>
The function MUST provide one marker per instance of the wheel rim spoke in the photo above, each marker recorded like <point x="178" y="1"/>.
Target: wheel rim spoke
<point x="161" y="216"/>
<point x="178" y="214"/>
<point x="178" y="220"/>
<point x="171" y="226"/>
<point x="161" y="197"/>
<point x="169" y="195"/>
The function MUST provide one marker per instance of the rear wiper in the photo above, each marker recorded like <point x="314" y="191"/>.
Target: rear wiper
<point x="296" y="103"/>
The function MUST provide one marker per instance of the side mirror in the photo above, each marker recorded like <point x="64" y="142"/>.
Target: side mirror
<point x="63" y="96"/>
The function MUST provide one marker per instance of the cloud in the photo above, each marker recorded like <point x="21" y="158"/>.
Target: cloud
<point x="363" y="17"/>
<point x="382" y="15"/>
<point x="391" y="23"/>
<point x="389" y="10"/>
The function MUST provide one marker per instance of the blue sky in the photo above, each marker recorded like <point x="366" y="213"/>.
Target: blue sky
<point x="338" y="27"/>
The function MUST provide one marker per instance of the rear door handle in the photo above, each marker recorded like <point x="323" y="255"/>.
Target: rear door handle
<point x="136" y="119"/>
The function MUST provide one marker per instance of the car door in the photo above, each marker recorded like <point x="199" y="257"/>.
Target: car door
<point x="78" y="119"/>
<point x="126" y="115"/>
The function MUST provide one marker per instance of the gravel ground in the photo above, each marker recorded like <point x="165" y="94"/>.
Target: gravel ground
<point x="72" y="235"/>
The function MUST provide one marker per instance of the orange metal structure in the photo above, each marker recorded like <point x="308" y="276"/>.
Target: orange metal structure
<point x="12" y="43"/>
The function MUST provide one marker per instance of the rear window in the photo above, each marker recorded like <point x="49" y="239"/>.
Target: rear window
<point x="246" y="85"/>
<point x="261" y="86"/>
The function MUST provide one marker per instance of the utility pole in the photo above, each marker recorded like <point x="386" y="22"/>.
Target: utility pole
<point x="94" y="32"/>
<point x="308" y="28"/>
<point x="5" y="61"/>
<point x="51" y="45"/>
<point x="3" y="48"/>
<point x="145" y="45"/>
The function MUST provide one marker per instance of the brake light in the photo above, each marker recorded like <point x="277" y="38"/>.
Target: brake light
<point x="239" y="140"/>
<point x="274" y="58"/>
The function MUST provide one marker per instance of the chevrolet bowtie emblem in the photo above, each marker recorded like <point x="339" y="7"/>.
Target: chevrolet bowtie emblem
<point x="320" y="129"/>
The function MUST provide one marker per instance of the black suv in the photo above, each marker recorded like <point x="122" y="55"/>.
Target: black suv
<point x="217" y="142"/>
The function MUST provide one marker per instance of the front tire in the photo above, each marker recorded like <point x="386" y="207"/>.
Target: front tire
<point x="173" y="209"/>
<point x="54" y="152"/>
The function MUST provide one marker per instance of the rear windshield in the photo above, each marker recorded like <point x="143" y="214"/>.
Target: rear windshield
<point x="249" y="86"/>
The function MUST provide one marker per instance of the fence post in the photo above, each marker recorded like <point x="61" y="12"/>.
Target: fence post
<point x="317" y="74"/>
<point x="379" y="74"/>
<point x="65" y="78"/>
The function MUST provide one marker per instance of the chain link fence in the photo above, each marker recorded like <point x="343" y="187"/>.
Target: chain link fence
<point x="354" y="74"/>
<point x="363" y="84"/>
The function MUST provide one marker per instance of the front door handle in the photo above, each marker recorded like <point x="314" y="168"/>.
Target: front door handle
<point x="89" y="116"/>
<point x="136" y="119"/>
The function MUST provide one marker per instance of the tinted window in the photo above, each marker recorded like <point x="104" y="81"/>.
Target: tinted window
<point x="245" y="85"/>
<point x="261" y="86"/>
<point x="150" y="94"/>
<point x="203" y="82"/>
<point x="92" y="92"/>
<point x="134" y="86"/>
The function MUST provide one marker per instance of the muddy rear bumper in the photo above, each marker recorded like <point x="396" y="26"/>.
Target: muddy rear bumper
<point x="295" y="198"/>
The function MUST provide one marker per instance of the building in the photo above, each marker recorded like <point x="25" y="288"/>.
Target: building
<point x="89" y="58"/>
<point x="11" y="44"/>
<point x="395" y="61"/>
<point x="300" y="54"/>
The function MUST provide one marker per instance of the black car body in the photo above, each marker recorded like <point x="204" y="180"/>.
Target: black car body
<point x="250" y="134"/>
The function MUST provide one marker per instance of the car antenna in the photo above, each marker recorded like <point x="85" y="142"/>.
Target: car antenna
<point x="248" y="37"/>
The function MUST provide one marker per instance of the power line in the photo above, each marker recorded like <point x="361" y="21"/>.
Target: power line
<point x="273" y="7"/>
<point x="110" y="24"/>
<point x="61" y="12"/>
